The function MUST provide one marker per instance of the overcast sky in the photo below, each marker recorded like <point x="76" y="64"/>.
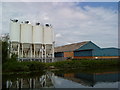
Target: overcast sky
<point x="72" y="22"/>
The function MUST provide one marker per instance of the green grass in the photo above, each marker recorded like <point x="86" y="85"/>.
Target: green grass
<point x="84" y="63"/>
<point x="15" y="66"/>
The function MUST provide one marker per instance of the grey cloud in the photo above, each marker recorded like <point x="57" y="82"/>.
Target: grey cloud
<point x="73" y="23"/>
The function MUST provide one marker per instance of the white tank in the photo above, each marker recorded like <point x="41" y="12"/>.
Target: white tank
<point x="48" y="34"/>
<point x="14" y="31"/>
<point x="37" y="34"/>
<point x="26" y="33"/>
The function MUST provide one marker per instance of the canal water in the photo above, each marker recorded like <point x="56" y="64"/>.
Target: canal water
<point x="61" y="79"/>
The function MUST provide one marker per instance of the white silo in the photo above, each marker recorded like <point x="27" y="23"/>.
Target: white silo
<point x="32" y="41"/>
<point x="14" y="31"/>
<point x="26" y="39"/>
<point x="48" y="41"/>
<point x="38" y="34"/>
<point x="48" y="34"/>
<point x="14" y="37"/>
<point x="26" y="32"/>
<point x="38" y="40"/>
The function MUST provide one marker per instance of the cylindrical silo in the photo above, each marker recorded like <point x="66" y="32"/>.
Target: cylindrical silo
<point x="26" y="39"/>
<point x="26" y="33"/>
<point x="14" y="31"/>
<point x="37" y="40"/>
<point x="37" y="34"/>
<point x="48" y="34"/>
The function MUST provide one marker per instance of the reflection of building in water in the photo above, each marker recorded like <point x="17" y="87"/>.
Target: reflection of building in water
<point x="50" y="80"/>
<point x="37" y="82"/>
<point x="91" y="79"/>
<point x="81" y="80"/>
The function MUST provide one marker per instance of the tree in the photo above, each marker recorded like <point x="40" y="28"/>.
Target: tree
<point x="5" y="55"/>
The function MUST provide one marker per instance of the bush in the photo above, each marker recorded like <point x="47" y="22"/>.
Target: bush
<point x="36" y="66"/>
<point x="15" y="66"/>
<point x="5" y="56"/>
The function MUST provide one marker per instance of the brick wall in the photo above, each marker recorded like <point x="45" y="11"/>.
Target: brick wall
<point x="69" y="54"/>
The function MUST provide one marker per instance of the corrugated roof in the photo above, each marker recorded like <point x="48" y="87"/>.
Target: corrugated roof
<point x="70" y="47"/>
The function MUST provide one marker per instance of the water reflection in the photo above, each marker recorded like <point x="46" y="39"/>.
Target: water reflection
<point x="95" y="80"/>
<point x="36" y="82"/>
<point x="66" y="80"/>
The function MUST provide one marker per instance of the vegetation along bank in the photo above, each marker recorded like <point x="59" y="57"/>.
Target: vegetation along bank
<point x="12" y="65"/>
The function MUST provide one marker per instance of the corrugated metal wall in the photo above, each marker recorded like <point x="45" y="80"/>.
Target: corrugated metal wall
<point x="106" y="52"/>
<point x="83" y="53"/>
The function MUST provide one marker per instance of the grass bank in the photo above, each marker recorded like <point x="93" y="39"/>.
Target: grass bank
<point x="18" y="67"/>
<point x="84" y="63"/>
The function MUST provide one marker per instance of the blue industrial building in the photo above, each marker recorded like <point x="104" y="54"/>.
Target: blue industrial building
<point x="86" y="50"/>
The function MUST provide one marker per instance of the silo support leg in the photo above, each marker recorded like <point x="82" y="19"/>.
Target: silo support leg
<point x="34" y="51"/>
<point x="22" y="52"/>
<point x="11" y="50"/>
<point x="31" y="51"/>
<point x="45" y="54"/>
<point x="53" y="53"/>
<point x="18" y="51"/>
<point x="42" y="53"/>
